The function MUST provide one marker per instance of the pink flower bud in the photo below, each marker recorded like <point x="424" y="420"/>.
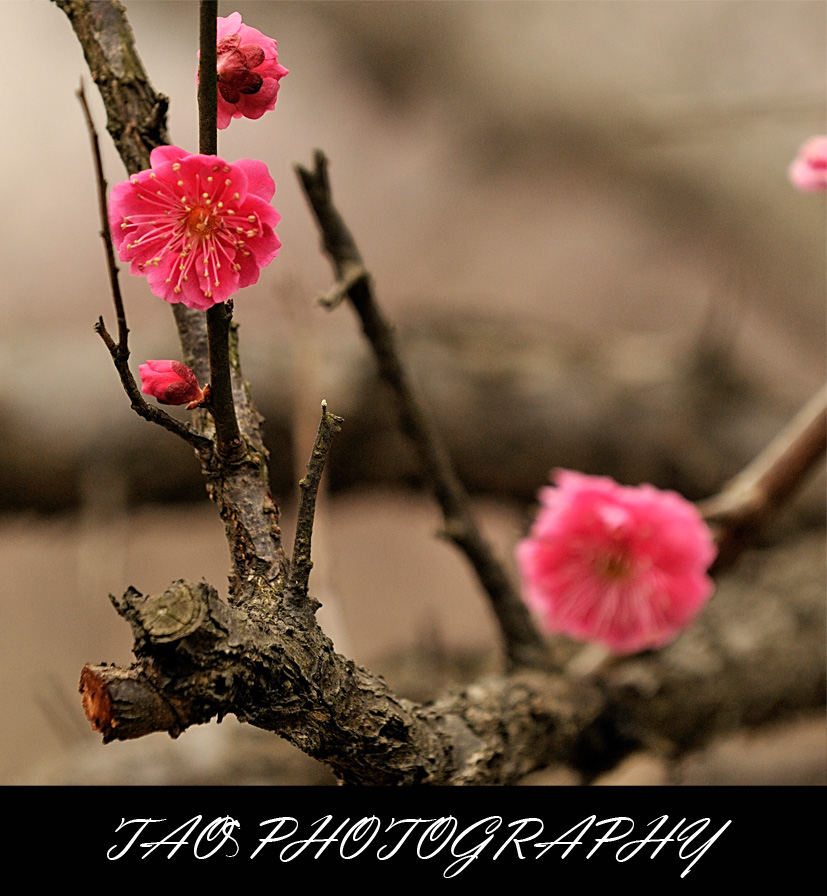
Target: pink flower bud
<point x="622" y="566"/>
<point x="197" y="227"/>
<point x="248" y="71"/>
<point x="808" y="171"/>
<point x="170" y="382"/>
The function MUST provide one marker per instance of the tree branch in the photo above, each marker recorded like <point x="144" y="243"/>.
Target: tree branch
<point x="207" y="78"/>
<point x="198" y="657"/>
<point x="747" y="501"/>
<point x="230" y="444"/>
<point x="139" y="404"/>
<point x="523" y="644"/>
<point x="301" y="565"/>
<point x="106" y="235"/>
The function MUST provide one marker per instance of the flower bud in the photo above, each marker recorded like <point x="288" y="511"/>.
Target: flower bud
<point x="170" y="382"/>
<point x="248" y="71"/>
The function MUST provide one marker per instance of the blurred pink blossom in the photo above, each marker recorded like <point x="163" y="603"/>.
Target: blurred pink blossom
<point x="808" y="171"/>
<point x="197" y="227"/>
<point x="248" y="71"/>
<point x="171" y="382"/>
<point x="622" y="566"/>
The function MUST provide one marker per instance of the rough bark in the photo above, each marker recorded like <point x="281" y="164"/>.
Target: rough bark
<point x="755" y="656"/>
<point x="270" y="665"/>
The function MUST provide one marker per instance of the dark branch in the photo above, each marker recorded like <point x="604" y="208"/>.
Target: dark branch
<point x="198" y="658"/>
<point x="240" y="489"/>
<point x="230" y="444"/>
<point x="523" y="644"/>
<point x="329" y="425"/>
<point x="207" y="78"/>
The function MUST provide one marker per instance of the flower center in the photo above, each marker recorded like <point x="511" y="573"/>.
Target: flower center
<point x="201" y="222"/>
<point x="613" y="566"/>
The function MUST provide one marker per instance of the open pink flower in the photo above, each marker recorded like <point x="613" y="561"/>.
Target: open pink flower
<point x="248" y="71"/>
<point x="197" y="227"/>
<point x="171" y="382"/>
<point x="623" y="566"/>
<point x="808" y="171"/>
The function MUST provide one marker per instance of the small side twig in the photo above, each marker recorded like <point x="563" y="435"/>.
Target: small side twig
<point x="523" y="643"/>
<point x="329" y="425"/>
<point x="748" y="500"/>
<point x="139" y="404"/>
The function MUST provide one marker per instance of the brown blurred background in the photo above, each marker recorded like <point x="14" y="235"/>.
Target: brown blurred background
<point x="579" y="216"/>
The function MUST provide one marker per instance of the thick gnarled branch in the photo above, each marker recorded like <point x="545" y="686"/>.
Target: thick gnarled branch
<point x="198" y="658"/>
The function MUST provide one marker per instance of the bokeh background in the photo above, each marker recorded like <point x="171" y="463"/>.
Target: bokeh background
<point x="573" y="210"/>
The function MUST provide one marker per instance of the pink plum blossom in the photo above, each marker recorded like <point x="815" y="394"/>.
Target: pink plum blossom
<point x="170" y="382"/>
<point x="248" y="71"/>
<point x="197" y="227"/>
<point x="623" y="566"/>
<point x="808" y="171"/>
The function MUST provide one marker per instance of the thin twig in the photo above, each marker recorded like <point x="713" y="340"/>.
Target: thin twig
<point x="523" y="644"/>
<point x="139" y="404"/>
<point x="329" y="425"/>
<point x="105" y="232"/>
<point x="748" y="500"/>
